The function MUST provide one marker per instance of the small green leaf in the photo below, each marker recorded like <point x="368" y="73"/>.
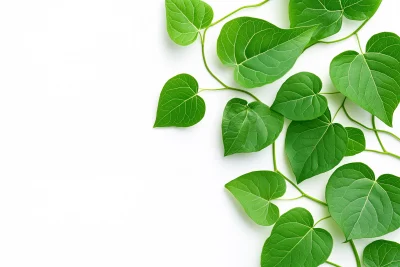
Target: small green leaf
<point x="356" y="142"/>
<point x="260" y="52"/>
<point x="362" y="206"/>
<point x="179" y="104"/>
<point x="255" y="190"/>
<point x="371" y="80"/>
<point x="328" y="14"/>
<point x="249" y="127"/>
<point x="185" y="18"/>
<point x="382" y="253"/>
<point x="298" y="98"/>
<point x="295" y="242"/>
<point x="314" y="147"/>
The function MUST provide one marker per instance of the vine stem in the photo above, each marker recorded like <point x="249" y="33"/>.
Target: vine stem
<point x="341" y="106"/>
<point x="232" y="89"/>
<point x="347" y="37"/>
<point x="237" y="10"/>
<point x="383" y="153"/>
<point x="377" y="134"/>
<point x="330" y="93"/>
<point x="353" y="247"/>
<point x="303" y="194"/>
<point x="333" y="264"/>
<point x="359" y="43"/>
<point x="325" y="218"/>
<point x="368" y="128"/>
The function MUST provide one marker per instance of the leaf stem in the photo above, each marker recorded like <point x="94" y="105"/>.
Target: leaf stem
<point x="232" y="89"/>
<point x="347" y="37"/>
<point x="274" y="157"/>
<point x="368" y="128"/>
<point x="377" y="134"/>
<point x="325" y="218"/>
<point x="359" y="43"/>
<point x="353" y="247"/>
<point x="383" y="153"/>
<point x="301" y="191"/>
<point x="237" y="10"/>
<point x="333" y="264"/>
<point x="330" y="93"/>
<point x="226" y="87"/>
<point x="341" y="106"/>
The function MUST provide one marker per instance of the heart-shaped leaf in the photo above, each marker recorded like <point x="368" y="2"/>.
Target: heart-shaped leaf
<point x="328" y="14"/>
<point x="295" y="242"/>
<point x="314" y="147"/>
<point x="185" y="18"/>
<point x="260" y="52"/>
<point x="298" y="98"/>
<point x="371" y="80"/>
<point x="249" y="127"/>
<point x="382" y="253"/>
<point x="179" y="105"/>
<point x="362" y="206"/>
<point x="255" y="190"/>
<point x="356" y="142"/>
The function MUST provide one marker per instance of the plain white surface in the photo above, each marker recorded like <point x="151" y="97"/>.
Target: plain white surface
<point x="84" y="178"/>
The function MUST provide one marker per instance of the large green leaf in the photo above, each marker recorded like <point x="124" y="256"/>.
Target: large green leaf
<point x="356" y="142"/>
<point x="362" y="206"/>
<point x="179" y="104"/>
<point x="185" y="18"/>
<point x="298" y="98"/>
<point x="328" y="14"/>
<point x="255" y="190"/>
<point x="371" y="80"/>
<point x="249" y="127"/>
<point x="260" y="52"/>
<point x="382" y="253"/>
<point x="314" y="147"/>
<point x="295" y="242"/>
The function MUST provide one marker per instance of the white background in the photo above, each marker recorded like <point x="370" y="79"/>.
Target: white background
<point x="84" y="178"/>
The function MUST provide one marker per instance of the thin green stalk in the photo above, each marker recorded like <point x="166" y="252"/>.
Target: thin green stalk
<point x="341" y="106"/>
<point x="359" y="44"/>
<point x="353" y="247"/>
<point x="203" y="39"/>
<point x="325" y="218"/>
<point x="330" y="93"/>
<point x="333" y="264"/>
<point x="226" y="87"/>
<point x="347" y="37"/>
<point x="232" y="89"/>
<point x="237" y="10"/>
<point x="383" y="153"/>
<point x="377" y="134"/>
<point x="295" y="198"/>
<point x="303" y="194"/>
<point x="368" y="128"/>
<point x="274" y="157"/>
<point x="301" y="191"/>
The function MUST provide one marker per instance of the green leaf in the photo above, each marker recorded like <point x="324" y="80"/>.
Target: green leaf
<point x="249" y="127"/>
<point x="371" y="80"/>
<point x="356" y="142"/>
<point x="362" y="206"/>
<point x="295" y="242"/>
<point x="328" y="14"/>
<point x="382" y="253"/>
<point x="298" y="98"/>
<point x="260" y="52"/>
<point x="314" y="147"/>
<point x="179" y="104"/>
<point x="185" y="18"/>
<point x="255" y="190"/>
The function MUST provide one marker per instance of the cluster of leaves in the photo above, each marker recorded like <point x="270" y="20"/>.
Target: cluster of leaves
<point x="261" y="53"/>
